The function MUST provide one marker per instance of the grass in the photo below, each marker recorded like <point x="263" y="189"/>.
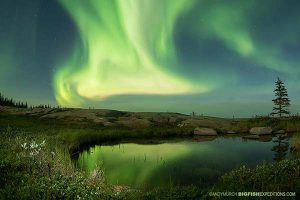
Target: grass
<point x="75" y="136"/>
<point x="295" y="145"/>
<point x="45" y="171"/>
<point x="39" y="169"/>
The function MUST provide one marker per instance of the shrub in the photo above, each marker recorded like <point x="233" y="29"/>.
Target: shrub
<point x="281" y="176"/>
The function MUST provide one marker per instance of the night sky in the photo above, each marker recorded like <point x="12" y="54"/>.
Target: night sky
<point x="213" y="57"/>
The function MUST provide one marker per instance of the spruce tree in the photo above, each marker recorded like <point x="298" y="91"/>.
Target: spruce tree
<point x="281" y="101"/>
<point x="1" y="99"/>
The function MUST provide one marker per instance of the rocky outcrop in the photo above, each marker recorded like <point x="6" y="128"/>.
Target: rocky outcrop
<point x="261" y="130"/>
<point x="134" y="123"/>
<point x="205" y="132"/>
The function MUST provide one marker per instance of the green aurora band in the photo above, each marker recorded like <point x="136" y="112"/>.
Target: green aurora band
<point x="128" y="48"/>
<point x="233" y="23"/>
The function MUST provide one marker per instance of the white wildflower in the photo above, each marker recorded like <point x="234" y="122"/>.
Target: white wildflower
<point x="43" y="143"/>
<point x="24" y="146"/>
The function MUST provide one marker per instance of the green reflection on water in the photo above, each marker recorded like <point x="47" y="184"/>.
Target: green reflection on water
<point x="183" y="162"/>
<point x="132" y="163"/>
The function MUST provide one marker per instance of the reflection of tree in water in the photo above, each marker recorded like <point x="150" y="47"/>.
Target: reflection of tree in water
<point x="280" y="148"/>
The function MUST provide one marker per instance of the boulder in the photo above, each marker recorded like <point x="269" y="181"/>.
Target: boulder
<point x="205" y="132"/>
<point x="261" y="130"/>
<point x="230" y="132"/>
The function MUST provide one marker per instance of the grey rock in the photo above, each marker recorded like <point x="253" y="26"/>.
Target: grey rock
<point x="205" y="132"/>
<point x="261" y="130"/>
<point x="230" y="132"/>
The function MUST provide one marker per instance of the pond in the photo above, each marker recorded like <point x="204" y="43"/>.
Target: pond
<point x="197" y="161"/>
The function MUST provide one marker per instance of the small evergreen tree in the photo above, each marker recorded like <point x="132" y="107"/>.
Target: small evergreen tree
<point x="281" y="101"/>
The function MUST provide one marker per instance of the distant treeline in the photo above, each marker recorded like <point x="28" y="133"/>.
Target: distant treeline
<point x="42" y="106"/>
<point x="4" y="101"/>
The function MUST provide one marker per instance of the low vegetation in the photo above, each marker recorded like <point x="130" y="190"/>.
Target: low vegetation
<point x="38" y="167"/>
<point x="283" y="176"/>
<point x="35" y="164"/>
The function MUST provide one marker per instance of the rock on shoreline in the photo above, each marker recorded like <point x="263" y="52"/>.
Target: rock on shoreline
<point x="261" y="130"/>
<point x="205" y="132"/>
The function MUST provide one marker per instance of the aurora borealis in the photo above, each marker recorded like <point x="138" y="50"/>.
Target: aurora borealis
<point x="125" y="48"/>
<point x="216" y="57"/>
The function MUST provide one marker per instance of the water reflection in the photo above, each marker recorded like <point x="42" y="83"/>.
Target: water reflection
<point x="280" y="148"/>
<point x="197" y="161"/>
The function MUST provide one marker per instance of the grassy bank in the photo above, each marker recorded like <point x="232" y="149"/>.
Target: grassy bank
<point x="80" y="133"/>
<point x="77" y="135"/>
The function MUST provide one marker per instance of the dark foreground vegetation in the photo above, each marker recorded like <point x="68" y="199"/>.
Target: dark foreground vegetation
<point x="35" y="163"/>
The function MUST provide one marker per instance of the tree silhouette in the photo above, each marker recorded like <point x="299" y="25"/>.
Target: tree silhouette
<point x="10" y="102"/>
<point x="280" y="148"/>
<point x="281" y="101"/>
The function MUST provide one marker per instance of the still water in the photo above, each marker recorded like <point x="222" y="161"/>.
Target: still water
<point x="198" y="161"/>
